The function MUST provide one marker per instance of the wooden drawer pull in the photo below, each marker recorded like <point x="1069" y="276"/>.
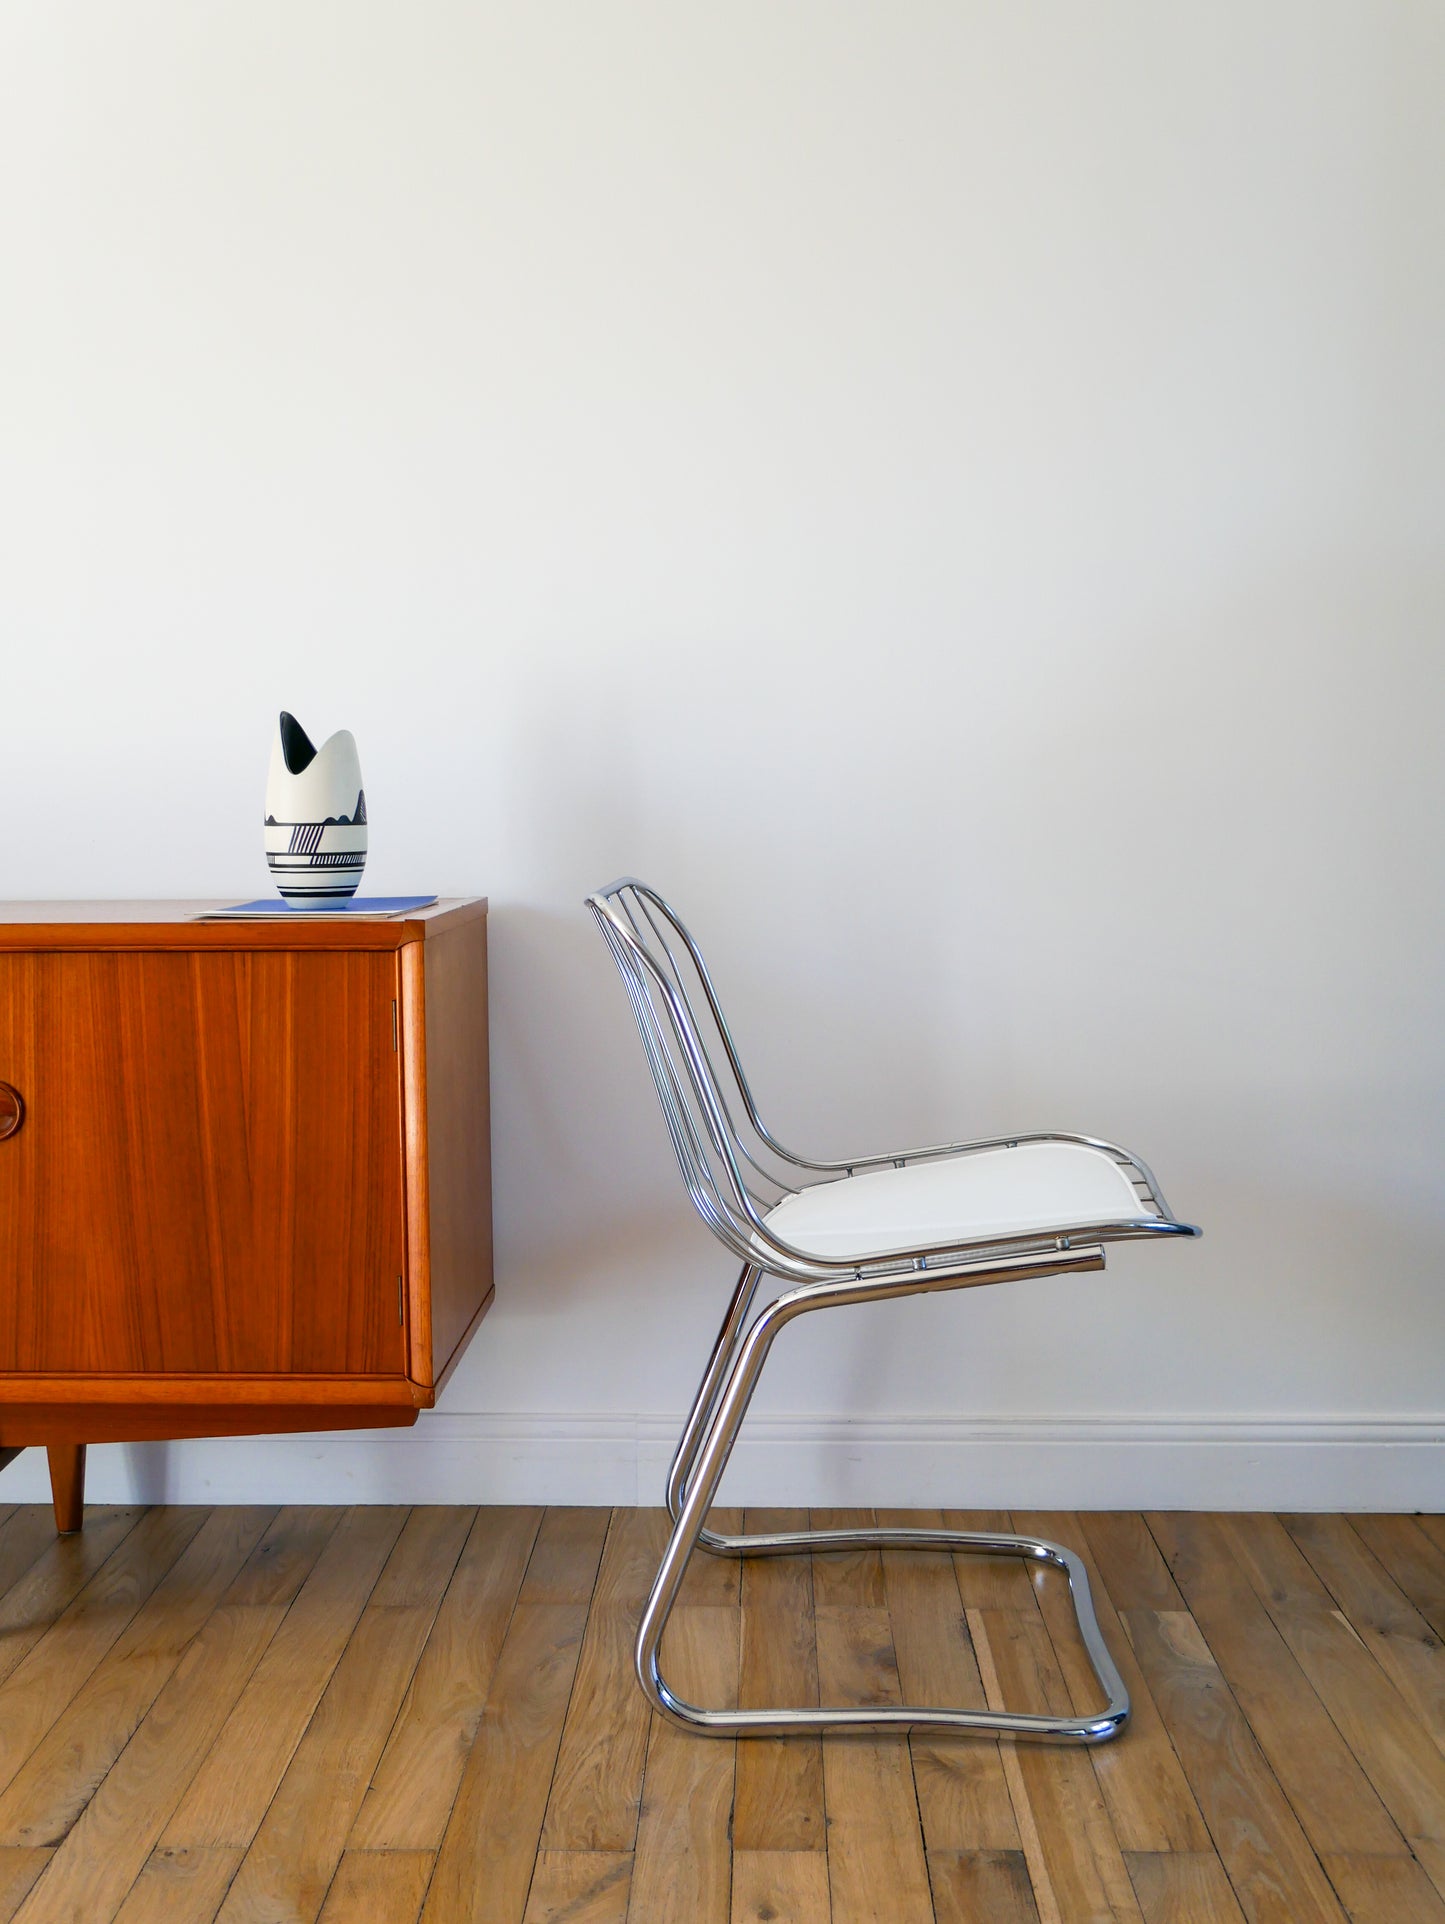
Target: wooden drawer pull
<point x="12" y="1110"/>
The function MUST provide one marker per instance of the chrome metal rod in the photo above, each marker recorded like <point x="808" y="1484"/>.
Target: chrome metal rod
<point x="714" y="1445"/>
<point x="850" y="1290"/>
<point x="722" y="1354"/>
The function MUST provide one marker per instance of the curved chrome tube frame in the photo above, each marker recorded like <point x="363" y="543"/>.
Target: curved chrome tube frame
<point x="712" y="1153"/>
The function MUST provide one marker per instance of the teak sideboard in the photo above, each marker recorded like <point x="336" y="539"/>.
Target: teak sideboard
<point x="245" y="1172"/>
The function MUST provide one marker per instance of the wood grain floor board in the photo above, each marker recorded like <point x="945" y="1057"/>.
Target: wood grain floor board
<point x="37" y="1691"/>
<point x="1073" y="1854"/>
<point x="989" y="1582"/>
<point x="1411" y="1558"/>
<point x="712" y="1580"/>
<point x="771" y="1885"/>
<point x="1275" y="1874"/>
<point x="962" y="1793"/>
<point x="326" y="1716"/>
<point x="1182" y="1887"/>
<point x="38" y="1598"/>
<point x="579" y="1887"/>
<point x="877" y="1868"/>
<point x="106" y="1849"/>
<point x="1332" y="1797"/>
<point x="378" y="1887"/>
<point x="778" y="1800"/>
<point x="597" y="1786"/>
<point x="563" y="1565"/>
<point x="847" y="1578"/>
<point x="61" y="1774"/>
<point x="682" y="1873"/>
<point x="25" y="1535"/>
<point x="415" y="1784"/>
<point x="1149" y="1799"/>
<point x="1396" y="1753"/>
<point x="981" y="1887"/>
<point x="294" y="1854"/>
<point x="19" y="1869"/>
<point x="225" y="1804"/>
<point x="1385" y="1890"/>
<point x="185" y="1886"/>
<point x="1128" y="1558"/>
<point x="484" y="1867"/>
<point x="1397" y="1636"/>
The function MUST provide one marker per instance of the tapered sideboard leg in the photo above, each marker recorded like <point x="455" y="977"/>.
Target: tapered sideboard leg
<point x="67" y="1484"/>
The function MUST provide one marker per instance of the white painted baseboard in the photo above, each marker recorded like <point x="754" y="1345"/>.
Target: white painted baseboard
<point x="1103" y="1463"/>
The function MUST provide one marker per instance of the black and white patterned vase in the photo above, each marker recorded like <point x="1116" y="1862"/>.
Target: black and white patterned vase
<point x="315" y="816"/>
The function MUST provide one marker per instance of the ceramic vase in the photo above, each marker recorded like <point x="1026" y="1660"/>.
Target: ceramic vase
<point x="315" y="816"/>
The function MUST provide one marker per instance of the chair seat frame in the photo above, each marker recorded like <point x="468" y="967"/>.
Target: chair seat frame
<point x="734" y="1183"/>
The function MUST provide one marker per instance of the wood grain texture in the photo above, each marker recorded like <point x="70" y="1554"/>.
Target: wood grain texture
<point x="1149" y="1799"/>
<point x="1413" y="1561"/>
<point x="105" y="1850"/>
<point x="227" y="1799"/>
<point x="992" y="1885"/>
<point x="779" y="1789"/>
<point x="597" y="1788"/>
<point x="714" y="1580"/>
<point x="40" y="1597"/>
<point x="25" y="1535"/>
<point x="1183" y="1888"/>
<point x="682" y="1866"/>
<point x="209" y="1178"/>
<point x="847" y="1578"/>
<point x="18" y="1871"/>
<point x="1129" y="1560"/>
<point x="414" y="1785"/>
<point x="771" y="1885"/>
<point x="40" y="1687"/>
<point x="62" y="1773"/>
<point x="296" y="1849"/>
<point x="563" y="1565"/>
<point x="484" y="1867"/>
<point x="378" y="1887"/>
<point x="1274" y="1872"/>
<point x="67" y="1485"/>
<point x="1397" y="1636"/>
<point x="579" y="1887"/>
<point x="356" y="1714"/>
<point x="179" y="1887"/>
<point x="1400" y="1758"/>
<point x="224" y="1213"/>
<point x="876" y="1867"/>
<point x="1385" y="1890"/>
<point x="1329" y="1792"/>
<point x="458" y="1159"/>
<point x="962" y="1793"/>
<point x="1073" y="1855"/>
<point x="989" y="1583"/>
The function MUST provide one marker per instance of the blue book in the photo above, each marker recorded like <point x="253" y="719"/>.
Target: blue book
<point x="273" y="909"/>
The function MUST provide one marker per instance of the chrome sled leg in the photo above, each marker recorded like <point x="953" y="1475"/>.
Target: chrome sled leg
<point x="697" y="1469"/>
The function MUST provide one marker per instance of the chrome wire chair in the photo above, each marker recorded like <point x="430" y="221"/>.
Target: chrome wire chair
<point x="954" y="1216"/>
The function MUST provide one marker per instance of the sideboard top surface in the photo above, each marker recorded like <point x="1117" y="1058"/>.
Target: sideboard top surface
<point x="175" y="925"/>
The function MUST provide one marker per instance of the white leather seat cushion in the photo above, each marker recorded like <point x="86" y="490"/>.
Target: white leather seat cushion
<point x="991" y="1192"/>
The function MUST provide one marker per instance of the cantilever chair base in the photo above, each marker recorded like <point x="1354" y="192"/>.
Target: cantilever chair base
<point x="863" y="1230"/>
<point x="702" y="1453"/>
<point x="1097" y="1728"/>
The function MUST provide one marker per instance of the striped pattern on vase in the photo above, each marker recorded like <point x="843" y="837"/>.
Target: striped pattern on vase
<point x="315" y="815"/>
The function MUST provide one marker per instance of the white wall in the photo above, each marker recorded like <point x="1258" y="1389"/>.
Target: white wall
<point x="954" y="494"/>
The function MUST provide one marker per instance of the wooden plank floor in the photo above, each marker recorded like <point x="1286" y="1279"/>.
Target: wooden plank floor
<point x="380" y="1716"/>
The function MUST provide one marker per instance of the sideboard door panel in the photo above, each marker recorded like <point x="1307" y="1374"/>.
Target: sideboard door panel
<point x="209" y="1172"/>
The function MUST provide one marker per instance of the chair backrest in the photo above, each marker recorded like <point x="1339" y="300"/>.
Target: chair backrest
<point x="728" y="1157"/>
